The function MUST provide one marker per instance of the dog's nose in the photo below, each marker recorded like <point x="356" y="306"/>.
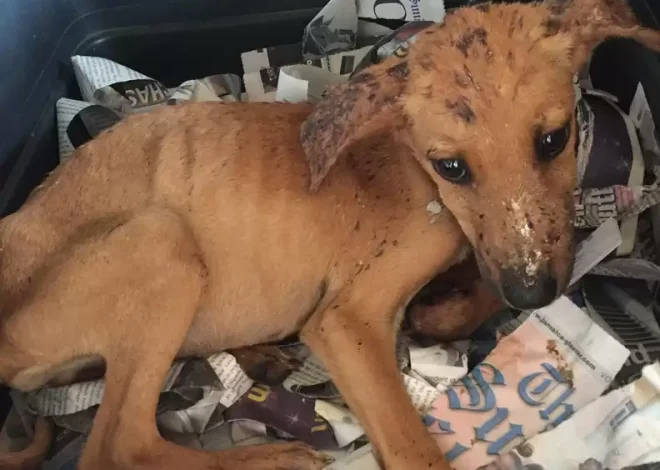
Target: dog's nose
<point x="524" y="295"/>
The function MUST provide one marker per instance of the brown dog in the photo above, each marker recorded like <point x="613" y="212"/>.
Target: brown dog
<point x="193" y="229"/>
<point x="454" y="304"/>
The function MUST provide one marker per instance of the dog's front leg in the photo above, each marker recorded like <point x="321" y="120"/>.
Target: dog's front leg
<point x="355" y="339"/>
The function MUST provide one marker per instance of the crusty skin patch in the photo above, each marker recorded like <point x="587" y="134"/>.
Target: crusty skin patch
<point x="470" y="37"/>
<point x="461" y="108"/>
<point x="339" y="119"/>
<point x="399" y="71"/>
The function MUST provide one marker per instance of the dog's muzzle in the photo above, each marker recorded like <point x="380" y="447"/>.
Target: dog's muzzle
<point x="523" y="293"/>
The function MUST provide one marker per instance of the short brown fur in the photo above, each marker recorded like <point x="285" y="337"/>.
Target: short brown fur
<point x="205" y="227"/>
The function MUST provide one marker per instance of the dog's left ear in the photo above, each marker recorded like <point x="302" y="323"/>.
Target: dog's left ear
<point x="590" y="22"/>
<point x="368" y="103"/>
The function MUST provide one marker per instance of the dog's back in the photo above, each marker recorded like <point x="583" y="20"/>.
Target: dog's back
<point x="145" y="159"/>
<point x="236" y="175"/>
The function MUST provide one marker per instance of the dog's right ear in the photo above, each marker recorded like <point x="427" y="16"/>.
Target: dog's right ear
<point x="590" y="22"/>
<point x="366" y="104"/>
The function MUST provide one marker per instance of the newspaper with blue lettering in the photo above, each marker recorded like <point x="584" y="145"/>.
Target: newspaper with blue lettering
<point x="618" y="430"/>
<point x="558" y="361"/>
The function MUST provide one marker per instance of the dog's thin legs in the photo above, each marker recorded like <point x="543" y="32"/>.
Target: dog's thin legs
<point x="355" y="340"/>
<point x="125" y="437"/>
<point x="134" y="310"/>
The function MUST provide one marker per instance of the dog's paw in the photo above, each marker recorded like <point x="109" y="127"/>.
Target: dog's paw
<point x="299" y="456"/>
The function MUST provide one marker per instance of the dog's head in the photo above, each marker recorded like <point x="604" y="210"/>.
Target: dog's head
<point x="486" y="103"/>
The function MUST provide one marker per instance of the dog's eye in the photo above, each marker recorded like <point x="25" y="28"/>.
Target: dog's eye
<point x="454" y="170"/>
<point x="550" y="145"/>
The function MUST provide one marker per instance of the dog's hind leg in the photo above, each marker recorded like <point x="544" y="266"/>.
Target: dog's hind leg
<point x="130" y="295"/>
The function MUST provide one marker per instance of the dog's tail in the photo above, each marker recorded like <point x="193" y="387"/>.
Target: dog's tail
<point x="33" y="455"/>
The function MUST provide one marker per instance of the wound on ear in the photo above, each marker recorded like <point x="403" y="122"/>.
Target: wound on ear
<point x="511" y="59"/>
<point x="481" y="35"/>
<point x="461" y="108"/>
<point x="470" y="77"/>
<point x="512" y="25"/>
<point x="426" y="63"/>
<point x="399" y="71"/>
<point x="461" y="80"/>
<point x="363" y="77"/>
<point x="468" y="38"/>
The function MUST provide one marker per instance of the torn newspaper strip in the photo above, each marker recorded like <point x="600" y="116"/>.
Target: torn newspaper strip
<point x="595" y="205"/>
<point x="112" y="91"/>
<point x="628" y="268"/>
<point x="439" y="365"/>
<point x="634" y="330"/>
<point x="79" y="122"/>
<point x="203" y="390"/>
<point x="642" y="117"/>
<point x="127" y="91"/>
<point x="221" y="87"/>
<point x="345" y="425"/>
<point x="337" y="27"/>
<point x="304" y="83"/>
<point x="262" y="85"/>
<point x="615" y="157"/>
<point x="609" y="155"/>
<point x="396" y="43"/>
<point x="116" y="86"/>
<point x="333" y="29"/>
<point x="368" y="33"/>
<point x="595" y="248"/>
<point x="403" y="10"/>
<point x="276" y="57"/>
<point x="290" y="414"/>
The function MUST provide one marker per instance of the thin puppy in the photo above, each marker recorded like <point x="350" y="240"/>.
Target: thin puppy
<point x="212" y="226"/>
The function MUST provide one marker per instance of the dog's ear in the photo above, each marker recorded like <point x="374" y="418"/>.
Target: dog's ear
<point x="368" y="103"/>
<point x="590" y="22"/>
